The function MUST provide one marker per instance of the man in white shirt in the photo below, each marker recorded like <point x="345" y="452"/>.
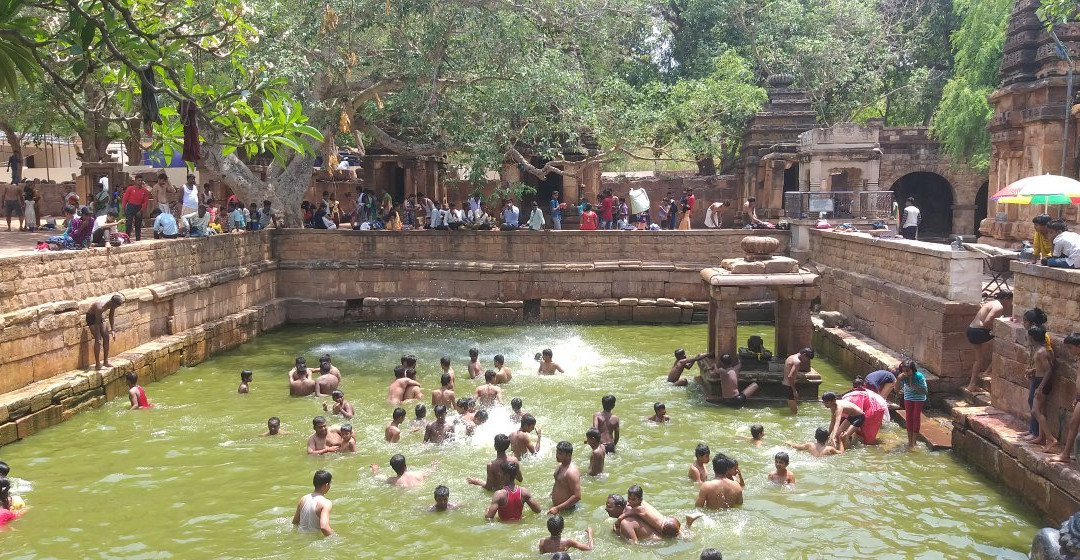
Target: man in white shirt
<point x="197" y="223"/>
<point x="1066" y="246"/>
<point x="190" y="197"/>
<point x="510" y="216"/>
<point x="104" y="227"/>
<point x="909" y="224"/>
<point x="164" y="225"/>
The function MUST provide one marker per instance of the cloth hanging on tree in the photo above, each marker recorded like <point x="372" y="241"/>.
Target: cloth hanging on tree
<point x="189" y="117"/>
<point x="148" y="99"/>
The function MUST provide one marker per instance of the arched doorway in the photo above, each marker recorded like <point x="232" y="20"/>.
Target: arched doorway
<point x="982" y="199"/>
<point x="933" y="196"/>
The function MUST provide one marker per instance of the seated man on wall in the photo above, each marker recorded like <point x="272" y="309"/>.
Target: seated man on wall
<point x="1066" y="251"/>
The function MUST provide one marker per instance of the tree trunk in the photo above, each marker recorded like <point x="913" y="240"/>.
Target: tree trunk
<point x="285" y="189"/>
<point x="15" y="141"/>
<point x="95" y="134"/>
<point x="132" y="144"/>
<point x="706" y="166"/>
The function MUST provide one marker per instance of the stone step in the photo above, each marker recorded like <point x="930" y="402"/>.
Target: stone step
<point x="931" y="431"/>
<point x="978" y="398"/>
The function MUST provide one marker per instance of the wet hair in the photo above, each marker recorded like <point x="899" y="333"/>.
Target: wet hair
<point x="909" y="365"/>
<point x="808" y="352"/>
<point x="782" y="457"/>
<point x="555" y="525"/>
<point x="1041" y="219"/>
<point x="318" y="420"/>
<point x="444" y="379"/>
<point x="829" y="396"/>
<point x="620" y="502"/>
<point x="722" y="464"/>
<point x="117" y="299"/>
<point x="1037" y="334"/>
<point x="273" y="421"/>
<point x="336" y="395"/>
<point x="489" y="375"/>
<point x="4" y="469"/>
<point x="528" y="420"/>
<point x="1058" y="225"/>
<point x="404" y="359"/>
<point x="480" y="417"/>
<point x="5" y="493"/>
<point x="398" y="413"/>
<point x="858" y="382"/>
<point x="1073" y="339"/>
<point x="821" y="434"/>
<point x="546" y="352"/>
<point x="325" y="358"/>
<point x="510" y="470"/>
<point x="420" y="411"/>
<point x="502" y="442"/>
<point x="515" y="403"/>
<point x="462" y="403"/>
<point x="300" y="360"/>
<point x="410" y="372"/>
<point x="410" y="360"/>
<point x="701" y="450"/>
<point x="657" y="407"/>
<point x="474" y="353"/>
<point x="608" y="402"/>
<point x="397" y="462"/>
<point x="132" y="379"/>
<point x="399" y="372"/>
<point x="756" y="431"/>
<point x="346" y="428"/>
<point x="1035" y="316"/>
<point x="440" y="410"/>
<point x="499" y="359"/>
<point x="710" y="554"/>
<point x="635" y="491"/>
<point x="680" y="354"/>
<point x="1003" y="295"/>
<point x="592" y="433"/>
<point x="564" y="447"/>
<point x="246" y="375"/>
<point x="445" y="360"/>
<point x="321" y="478"/>
<point x="441" y="492"/>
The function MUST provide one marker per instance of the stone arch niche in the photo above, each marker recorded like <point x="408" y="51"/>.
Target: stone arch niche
<point x="982" y="203"/>
<point x="933" y="195"/>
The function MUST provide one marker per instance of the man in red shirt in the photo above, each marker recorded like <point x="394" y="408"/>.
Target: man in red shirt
<point x="690" y="201"/>
<point x="606" y="210"/>
<point x="134" y="202"/>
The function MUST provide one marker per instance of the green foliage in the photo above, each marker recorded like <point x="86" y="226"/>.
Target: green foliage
<point x="511" y="191"/>
<point x="1058" y="11"/>
<point x="16" y="56"/>
<point x="961" y="120"/>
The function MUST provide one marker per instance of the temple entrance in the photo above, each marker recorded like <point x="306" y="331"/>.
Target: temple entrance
<point x="933" y="196"/>
<point x="553" y="182"/>
<point x="981" y="202"/>
<point x="397" y="189"/>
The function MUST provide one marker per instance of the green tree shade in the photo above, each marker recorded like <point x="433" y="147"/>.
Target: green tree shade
<point x="961" y="120"/>
<point x="16" y="45"/>
<point x="1058" y="11"/>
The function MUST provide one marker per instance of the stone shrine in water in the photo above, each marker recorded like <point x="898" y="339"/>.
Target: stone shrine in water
<point x="795" y="289"/>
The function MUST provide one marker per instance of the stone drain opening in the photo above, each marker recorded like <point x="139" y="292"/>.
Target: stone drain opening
<point x="531" y="311"/>
<point x="354" y="309"/>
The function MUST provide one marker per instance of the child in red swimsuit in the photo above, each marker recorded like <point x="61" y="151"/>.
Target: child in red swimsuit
<point x="136" y="394"/>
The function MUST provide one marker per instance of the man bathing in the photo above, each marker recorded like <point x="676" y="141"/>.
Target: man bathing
<point x="405" y="478"/>
<point x="847" y="418"/>
<point x="820" y="447"/>
<point x="401" y="388"/>
<point x="699" y="471"/>
<point x="489" y="393"/>
<point x="598" y="453"/>
<point x="445" y="394"/>
<point x="668" y="527"/>
<point x="979" y="333"/>
<point x="438" y="431"/>
<point x="727" y="371"/>
<point x="136" y="394"/>
<point x="300" y="384"/>
<point x="723" y="491"/>
<point x="503" y="374"/>
<point x="792" y="365"/>
<point x="660" y="415"/>
<point x="329" y="378"/>
<point x="442" y="500"/>
<point x="566" y="492"/>
<point x="313" y="511"/>
<point x="245" y="382"/>
<point x="607" y="424"/>
<point x="392" y="432"/>
<point x="341" y="406"/>
<point x="548" y="367"/>
<point x="555" y="543"/>
<point x="474" y="363"/>
<point x="509" y="501"/>
<point x="520" y="442"/>
<point x="103" y="330"/>
<point x="323" y="440"/>
<point x="494" y="479"/>
<point x="631" y="528"/>
<point x="682" y="363"/>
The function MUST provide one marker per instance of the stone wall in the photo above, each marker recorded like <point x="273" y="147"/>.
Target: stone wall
<point x="707" y="190"/>
<point x="916" y="298"/>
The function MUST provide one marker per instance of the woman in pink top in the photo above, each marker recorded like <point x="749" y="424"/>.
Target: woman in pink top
<point x="6" y="515"/>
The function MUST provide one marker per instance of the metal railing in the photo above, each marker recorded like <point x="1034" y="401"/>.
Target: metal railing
<point x="871" y="205"/>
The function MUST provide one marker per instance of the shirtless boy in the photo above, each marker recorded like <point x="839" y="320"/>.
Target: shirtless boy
<point x="847" y="417"/>
<point x="341" y="407"/>
<point x="668" y="527"/>
<point x="682" y="363"/>
<point x="474" y="363"/>
<point x="659" y="413"/>
<point x="489" y="393"/>
<point x="245" y="381"/>
<point x="444" y="363"/>
<point x="437" y="431"/>
<point x="300" y="385"/>
<point x="400" y="387"/>
<point x="757" y="435"/>
<point x="727" y="371"/>
<point x="520" y="442"/>
<point x="348" y="439"/>
<point x="548" y="367"/>
<point x="598" y="454"/>
<point x="820" y="447"/>
<point x="103" y="331"/>
<point x="13" y="204"/>
<point x="503" y="374"/>
<point x="782" y="475"/>
<point x="979" y="333"/>
<point x="516" y="411"/>
<point x="323" y="441"/>
<point x="445" y="395"/>
<point x="724" y="491"/>
<point x="420" y="421"/>
<point x="494" y="479"/>
<point x="792" y="365"/>
<point x="699" y="471"/>
<point x="607" y="423"/>
<point x="631" y="528"/>
<point x="299" y="366"/>
<point x="328" y="381"/>
<point x="555" y="543"/>
<point x="566" y="492"/>
<point x="442" y="500"/>
<point x="405" y="478"/>
<point x="508" y="501"/>
<point x="392" y="433"/>
<point x="1041" y="373"/>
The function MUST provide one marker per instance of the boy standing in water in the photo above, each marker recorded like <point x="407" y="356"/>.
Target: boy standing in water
<point x="548" y="367"/>
<point x="444" y="362"/>
<point x="699" y="471"/>
<point x="659" y="414"/>
<point x="392" y="433"/>
<point x="598" y="454"/>
<point x="503" y="374"/>
<point x="782" y="475"/>
<point x="607" y="424"/>
<point x="474" y="363"/>
<point x="757" y="435"/>
<point x="245" y="379"/>
<point x="442" y="500"/>
<point x="313" y="511"/>
<point x="136" y="394"/>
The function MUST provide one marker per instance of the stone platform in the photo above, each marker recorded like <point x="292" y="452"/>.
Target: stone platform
<point x="807" y="383"/>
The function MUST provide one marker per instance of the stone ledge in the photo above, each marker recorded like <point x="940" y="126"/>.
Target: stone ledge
<point x="483" y="266"/>
<point x="921" y="247"/>
<point x="1070" y="276"/>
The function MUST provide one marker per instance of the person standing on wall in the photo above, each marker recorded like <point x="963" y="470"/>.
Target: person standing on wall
<point x="14" y="163"/>
<point x="909" y="220"/>
<point x="134" y="202"/>
<point x="190" y="197"/>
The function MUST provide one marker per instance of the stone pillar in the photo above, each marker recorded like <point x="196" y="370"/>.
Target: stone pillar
<point x="723" y="322"/>
<point x="794" y="329"/>
<point x="963" y="219"/>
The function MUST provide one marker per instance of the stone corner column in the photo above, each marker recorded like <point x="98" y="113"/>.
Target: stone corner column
<point x="794" y="329"/>
<point x="723" y="322"/>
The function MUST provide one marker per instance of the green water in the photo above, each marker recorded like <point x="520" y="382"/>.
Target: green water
<point x="190" y="478"/>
